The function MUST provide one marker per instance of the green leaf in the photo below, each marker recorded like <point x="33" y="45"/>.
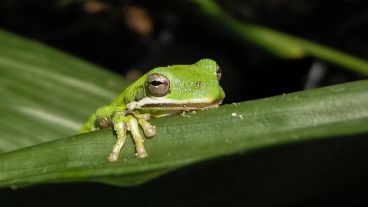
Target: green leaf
<point x="38" y="106"/>
<point x="46" y="94"/>
<point x="278" y="43"/>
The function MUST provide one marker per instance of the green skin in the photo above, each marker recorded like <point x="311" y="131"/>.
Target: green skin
<point x="191" y="87"/>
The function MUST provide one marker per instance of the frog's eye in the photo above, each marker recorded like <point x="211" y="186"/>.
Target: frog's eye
<point x="158" y="85"/>
<point x="218" y="72"/>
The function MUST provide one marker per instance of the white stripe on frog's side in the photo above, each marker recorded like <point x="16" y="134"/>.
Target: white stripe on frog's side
<point x="159" y="102"/>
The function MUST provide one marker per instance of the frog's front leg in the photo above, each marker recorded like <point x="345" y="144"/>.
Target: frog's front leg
<point x="120" y="127"/>
<point x="148" y="129"/>
<point x="122" y="124"/>
<point x="137" y="137"/>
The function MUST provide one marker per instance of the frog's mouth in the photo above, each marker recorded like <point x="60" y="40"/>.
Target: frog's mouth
<point x="174" y="105"/>
<point x="183" y="106"/>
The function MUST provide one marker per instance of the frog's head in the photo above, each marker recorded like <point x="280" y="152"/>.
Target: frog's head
<point x="180" y="87"/>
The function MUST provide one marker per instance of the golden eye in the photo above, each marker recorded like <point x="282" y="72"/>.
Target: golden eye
<point x="218" y="72"/>
<point x="158" y="85"/>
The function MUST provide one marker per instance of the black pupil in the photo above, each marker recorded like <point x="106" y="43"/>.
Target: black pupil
<point x="156" y="83"/>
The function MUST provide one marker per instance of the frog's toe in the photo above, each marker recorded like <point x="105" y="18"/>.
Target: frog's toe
<point x="113" y="157"/>
<point x="141" y="153"/>
<point x="148" y="129"/>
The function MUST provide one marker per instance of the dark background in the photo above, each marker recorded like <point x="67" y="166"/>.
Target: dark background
<point x="130" y="37"/>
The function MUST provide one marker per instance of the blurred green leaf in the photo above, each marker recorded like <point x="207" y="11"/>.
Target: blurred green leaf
<point x="48" y="95"/>
<point x="278" y="43"/>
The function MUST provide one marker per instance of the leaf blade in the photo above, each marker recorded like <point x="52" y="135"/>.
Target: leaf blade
<point x="298" y="117"/>
<point x="47" y="93"/>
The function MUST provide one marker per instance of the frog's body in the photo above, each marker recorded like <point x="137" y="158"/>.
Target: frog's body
<point x="160" y="92"/>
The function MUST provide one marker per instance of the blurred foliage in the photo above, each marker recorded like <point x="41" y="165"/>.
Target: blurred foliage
<point x="279" y="43"/>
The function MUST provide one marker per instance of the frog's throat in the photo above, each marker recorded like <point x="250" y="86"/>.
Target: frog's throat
<point x="180" y="105"/>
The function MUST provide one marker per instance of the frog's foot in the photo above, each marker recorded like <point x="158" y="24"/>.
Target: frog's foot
<point x="148" y="129"/>
<point x="121" y="126"/>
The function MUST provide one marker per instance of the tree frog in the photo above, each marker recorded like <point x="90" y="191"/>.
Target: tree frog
<point x="160" y="92"/>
